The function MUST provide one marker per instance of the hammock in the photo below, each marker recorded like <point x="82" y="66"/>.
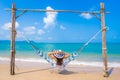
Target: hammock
<point x="49" y="60"/>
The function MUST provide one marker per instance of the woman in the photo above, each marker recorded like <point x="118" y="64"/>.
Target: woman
<point x="58" y="56"/>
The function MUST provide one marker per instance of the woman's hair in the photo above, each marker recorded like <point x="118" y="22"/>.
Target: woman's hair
<point x="59" y="61"/>
<point x="59" y="58"/>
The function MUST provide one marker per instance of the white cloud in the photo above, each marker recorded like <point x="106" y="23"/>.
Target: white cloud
<point x="50" y="38"/>
<point x="38" y="38"/>
<point x="62" y="27"/>
<point x="19" y="34"/>
<point x="40" y="32"/>
<point x="50" y="18"/>
<point x="30" y="30"/>
<point x="86" y="15"/>
<point x="7" y="36"/>
<point x="8" y="25"/>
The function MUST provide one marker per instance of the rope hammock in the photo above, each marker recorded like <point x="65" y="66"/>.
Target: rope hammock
<point x="42" y="54"/>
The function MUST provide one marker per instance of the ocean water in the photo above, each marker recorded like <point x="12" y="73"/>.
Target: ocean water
<point x="91" y="55"/>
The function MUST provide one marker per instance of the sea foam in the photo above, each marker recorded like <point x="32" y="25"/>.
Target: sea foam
<point x="75" y="62"/>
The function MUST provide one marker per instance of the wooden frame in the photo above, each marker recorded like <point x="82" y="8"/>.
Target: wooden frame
<point x="13" y="31"/>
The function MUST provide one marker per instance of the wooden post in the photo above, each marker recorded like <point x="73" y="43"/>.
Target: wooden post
<point x="104" y="55"/>
<point x="13" y="34"/>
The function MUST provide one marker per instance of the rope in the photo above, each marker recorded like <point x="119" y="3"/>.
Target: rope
<point x="34" y="47"/>
<point x="93" y="37"/>
<point x="72" y="57"/>
<point x="101" y="30"/>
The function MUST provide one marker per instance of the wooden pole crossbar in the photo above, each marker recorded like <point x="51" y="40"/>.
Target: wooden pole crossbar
<point x="42" y="10"/>
<point x="101" y="18"/>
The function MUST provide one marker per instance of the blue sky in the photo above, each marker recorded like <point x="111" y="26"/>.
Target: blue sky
<point x="60" y="27"/>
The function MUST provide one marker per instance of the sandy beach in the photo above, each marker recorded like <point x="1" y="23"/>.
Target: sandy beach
<point x="42" y="71"/>
<point x="81" y="35"/>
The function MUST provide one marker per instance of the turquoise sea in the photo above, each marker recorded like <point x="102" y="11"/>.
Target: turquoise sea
<point x="91" y="55"/>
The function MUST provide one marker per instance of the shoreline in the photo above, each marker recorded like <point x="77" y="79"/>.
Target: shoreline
<point x="39" y="60"/>
<point x="44" y="71"/>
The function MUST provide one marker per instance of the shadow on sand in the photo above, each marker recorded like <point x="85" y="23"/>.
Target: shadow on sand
<point x="66" y="72"/>
<point x="110" y="71"/>
<point x="33" y="71"/>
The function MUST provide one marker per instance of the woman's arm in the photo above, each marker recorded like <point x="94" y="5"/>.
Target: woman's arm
<point x="66" y="55"/>
<point x="50" y="54"/>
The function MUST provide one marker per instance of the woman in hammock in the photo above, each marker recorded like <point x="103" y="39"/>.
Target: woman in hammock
<point x="58" y="56"/>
